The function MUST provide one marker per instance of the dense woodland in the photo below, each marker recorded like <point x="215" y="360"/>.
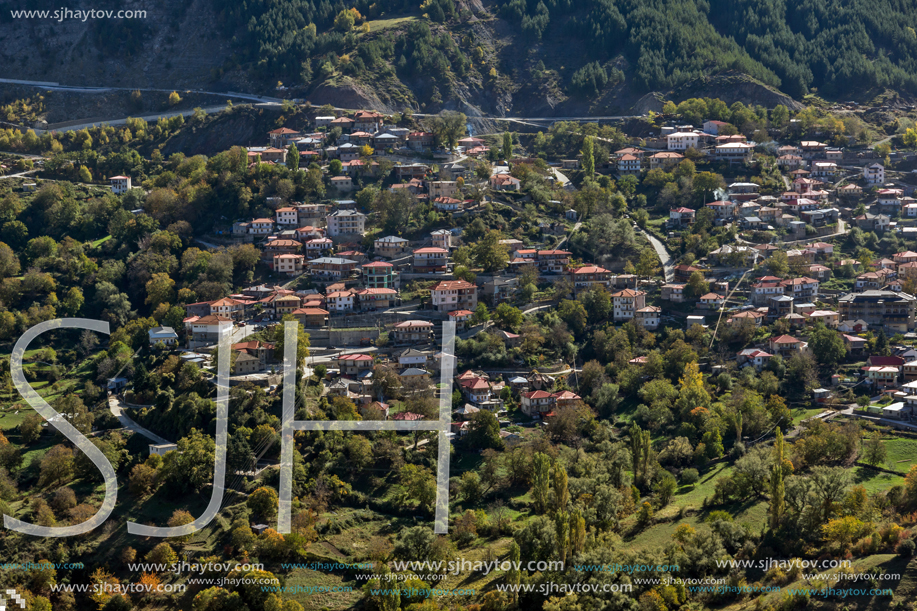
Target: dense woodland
<point x="835" y="47"/>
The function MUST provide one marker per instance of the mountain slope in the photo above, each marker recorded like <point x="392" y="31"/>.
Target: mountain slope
<point x="535" y="57"/>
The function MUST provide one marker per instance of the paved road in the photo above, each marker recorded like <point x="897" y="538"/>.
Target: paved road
<point x="668" y="265"/>
<point x="90" y="89"/>
<point x="117" y="410"/>
<point x="122" y="121"/>
<point x="20" y="174"/>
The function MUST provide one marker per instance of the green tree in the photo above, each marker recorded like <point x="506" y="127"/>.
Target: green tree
<point x="829" y="485"/>
<point x="713" y="444"/>
<point x="448" y="126"/>
<point x="30" y="428"/>
<point x="780" y="115"/>
<point x="73" y="301"/>
<point x="541" y="481"/>
<point x="293" y="158"/>
<point x="665" y="487"/>
<point x="263" y="502"/>
<point x="778" y="264"/>
<point x="648" y="264"/>
<point x="489" y="253"/>
<point x="874" y="452"/>
<point x="827" y="346"/>
<point x="56" y="466"/>
<point x="481" y="314"/>
<point x="507" y="146"/>
<point x="508" y="317"/>
<point x="514" y="575"/>
<point x="85" y="174"/>
<point x="160" y="289"/>
<point x="344" y="21"/>
<point x="485" y="431"/>
<point x="302" y="345"/>
<point x="697" y="285"/>
<point x="561" y="490"/>
<point x="588" y="161"/>
<point x="777" y="488"/>
<point x="910" y="138"/>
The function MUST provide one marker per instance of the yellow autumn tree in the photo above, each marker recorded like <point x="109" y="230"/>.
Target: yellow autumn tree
<point x="106" y="582"/>
<point x="150" y="582"/>
<point x="691" y="391"/>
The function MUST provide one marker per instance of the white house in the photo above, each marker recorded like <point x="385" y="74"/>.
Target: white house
<point x="680" y="141"/>
<point x="286" y="216"/>
<point x="261" y="226"/>
<point x="163" y="336"/>
<point x="344" y="222"/>
<point x="120" y="184"/>
<point x="874" y="174"/>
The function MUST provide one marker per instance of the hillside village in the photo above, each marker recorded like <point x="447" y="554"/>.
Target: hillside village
<point x="743" y="287"/>
<point x="674" y="312"/>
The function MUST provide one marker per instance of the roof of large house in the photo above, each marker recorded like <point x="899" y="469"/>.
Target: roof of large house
<point x="784" y="339"/>
<point x="452" y="285"/>
<point x="591" y="269"/>
<point x="310" y="312"/>
<point x="213" y="319"/>
<point x="331" y="261"/>
<point x="628" y="293"/>
<point x="355" y="357"/>
<point x="431" y="250"/>
<point x="413" y="323"/>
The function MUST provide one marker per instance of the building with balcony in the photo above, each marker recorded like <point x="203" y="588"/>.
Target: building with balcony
<point x="451" y="295"/>
<point x="333" y="268"/>
<point x="355" y="364"/>
<point x="346" y="222"/>
<point x="288" y="264"/>
<point x="120" y="184"/>
<point x="378" y="275"/>
<point x="552" y="261"/>
<point x="893" y="311"/>
<point x="411" y="331"/>
<point x="589" y="276"/>
<point x="874" y="174"/>
<point x="430" y="259"/>
<point x="206" y="330"/>
<point x="230" y="309"/>
<point x="626" y="303"/>
<point x="680" y="141"/>
<point x="391" y="246"/>
<point x="733" y="152"/>
<point x="373" y="299"/>
<point x="311" y="317"/>
<point x="649" y="317"/>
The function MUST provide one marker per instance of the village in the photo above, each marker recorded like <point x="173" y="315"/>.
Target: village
<point x="357" y="317"/>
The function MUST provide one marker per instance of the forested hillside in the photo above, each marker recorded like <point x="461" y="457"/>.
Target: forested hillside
<point x="496" y="56"/>
<point x="836" y="47"/>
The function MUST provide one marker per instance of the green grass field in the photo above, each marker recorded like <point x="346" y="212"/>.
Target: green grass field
<point x="902" y="453"/>
<point x="384" y="24"/>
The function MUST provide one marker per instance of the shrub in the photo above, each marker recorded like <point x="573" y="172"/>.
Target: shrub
<point x="689" y="477"/>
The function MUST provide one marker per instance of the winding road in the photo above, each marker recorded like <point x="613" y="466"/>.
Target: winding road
<point x="117" y="409"/>
<point x="668" y="265"/>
